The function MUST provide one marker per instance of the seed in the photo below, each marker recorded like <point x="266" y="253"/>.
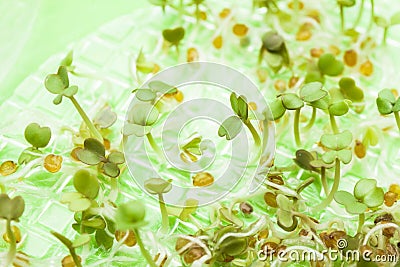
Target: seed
<point x="263" y="234"/>
<point x="74" y="153"/>
<point x="360" y="150"/>
<point x="262" y="75"/>
<point x="107" y="144"/>
<point x="52" y="163"/>
<point x="224" y="13"/>
<point x="203" y="179"/>
<point x="130" y="241"/>
<point x="163" y="261"/>
<point x="364" y="248"/>
<point x="327" y="240"/>
<point x="240" y="29"/>
<point x="334" y="50"/>
<point x="395" y="188"/>
<point x="303" y="35"/>
<point x="293" y="81"/>
<point x="390" y="198"/>
<point x="8" y="167"/>
<point x="387" y="217"/>
<point x="246" y="208"/>
<point x="276" y="179"/>
<point x="22" y="259"/>
<point x="292" y="5"/>
<point x="179" y="96"/>
<point x="202" y="15"/>
<point x="217" y="42"/>
<point x="270" y="199"/>
<point x="68" y="261"/>
<point x="192" y="55"/>
<point x="180" y="243"/>
<point x="367" y="68"/>
<point x="193" y="254"/>
<point x="336" y="235"/>
<point x="389" y="232"/>
<point x="16" y="232"/>
<point x="316" y="52"/>
<point x="304" y="232"/>
<point x="314" y="14"/>
<point x="350" y="58"/>
<point x="156" y="68"/>
<point x="269" y="248"/>
<point x="280" y="85"/>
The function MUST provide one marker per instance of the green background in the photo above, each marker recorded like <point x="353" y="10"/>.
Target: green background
<point x="33" y="30"/>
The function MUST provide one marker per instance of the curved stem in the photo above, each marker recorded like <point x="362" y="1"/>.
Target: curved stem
<point x="13" y="245"/>
<point x="360" y="11"/>
<point x="114" y="189"/>
<point x="145" y="253"/>
<point x="296" y="127"/>
<point x="323" y="181"/>
<point x="154" y="145"/>
<point x="361" y="220"/>
<point x="164" y="214"/>
<point x="86" y="119"/>
<point x="75" y="257"/>
<point x="254" y="133"/>
<point x="335" y="187"/>
<point x="312" y="119"/>
<point x="371" y="22"/>
<point x="334" y="126"/>
<point x="396" y="115"/>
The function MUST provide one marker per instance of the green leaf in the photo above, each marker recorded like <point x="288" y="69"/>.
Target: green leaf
<point x="329" y="157"/>
<point x="88" y="157"/>
<point x="70" y="196"/>
<point x="286" y="220"/>
<point x="272" y="41"/>
<point x="130" y="215"/>
<point x="105" y="118"/>
<point x="319" y="163"/>
<point x="81" y="240"/>
<point x="312" y="92"/>
<point x="157" y="186"/>
<point x="234" y="246"/>
<point x="145" y="95"/>
<point x="86" y="183"/>
<point x="322" y="104"/>
<point x="344" y="198"/>
<point x="356" y="208"/>
<point x="363" y="187"/>
<point x="381" y="21"/>
<point x="284" y="203"/>
<point x="95" y="146"/>
<point x="103" y="239"/>
<point x="28" y="155"/>
<point x="314" y="76"/>
<point x="67" y="61"/>
<point x="346" y="3"/>
<point x="395" y="19"/>
<point x="292" y="101"/>
<point x="190" y="208"/>
<point x="337" y="141"/>
<point x="344" y="156"/>
<point x="234" y="103"/>
<point x="37" y="136"/>
<point x="303" y="159"/>
<point x="70" y="91"/>
<point x="116" y="157"/>
<point x="374" y="198"/>
<point x="135" y="129"/>
<point x="384" y="106"/>
<point x="174" y="36"/>
<point x="243" y="108"/>
<point x="63" y="239"/>
<point x="274" y="61"/>
<point x="387" y="94"/>
<point x="162" y="87"/>
<point x="396" y="107"/>
<point x="58" y="99"/>
<point x="54" y="84"/>
<point x="329" y="65"/>
<point x="11" y="209"/>
<point x="78" y="205"/>
<point x="230" y="128"/>
<point x="227" y="215"/>
<point x="62" y="72"/>
<point x="338" y="108"/>
<point x="144" y="114"/>
<point x="142" y="65"/>
<point x="276" y="110"/>
<point x="110" y="169"/>
<point x="97" y="223"/>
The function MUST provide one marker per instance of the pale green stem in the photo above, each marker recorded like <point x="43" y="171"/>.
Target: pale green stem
<point x="254" y="133"/>
<point x="145" y="253"/>
<point x="296" y="6"/>
<point x="385" y="32"/>
<point x="371" y="22"/>
<point x="342" y="17"/>
<point x="154" y="145"/>
<point x="334" y="126"/>
<point x="312" y="119"/>
<point x="323" y="180"/>
<point x="13" y="245"/>
<point x="296" y="127"/>
<point x="75" y="257"/>
<point x="114" y="189"/>
<point x="396" y="115"/>
<point x="86" y="119"/>
<point x="360" y="11"/>
<point x="335" y="187"/>
<point x="361" y="221"/>
<point x="164" y="214"/>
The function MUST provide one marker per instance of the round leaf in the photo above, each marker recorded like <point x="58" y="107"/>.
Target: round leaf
<point x="81" y="240"/>
<point x="286" y="220"/>
<point x="88" y="157"/>
<point x="323" y="103"/>
<point x="337" y="141"/>
<point x="396" y="107"/>
<point x="339" y="108"/>
<point x="78" y="205"/>
<point x="384" y="106"/>
<point x="276" y="110"/>
<point x="105" y="118"/>
<point x="292" y="101"/>
<point x="272" y="41"/>
<point x="70" y="91"/>
<point x="130" y="215"/>
<point x="162" y="87"/>
<point x="110" y="169"/>
<point x="363" y="187"/>
<point x="311" y="92"/>
<point x="344" y="156"/>
<point x="54" y="84"/>
<point x="374" y="198"/>
<point x="95" y="146"/>
<point x="284" y="203"/>
<point x="37" y="136"/>
<point x="116" y="157"/>
<point x="157" y="186"/>
<point x="329" y="157"/>
<point x="387" y="95"/>
<point x="344" y="198"/>
<point x="303" y="159"/>
<point x="356" y="208"/>
<point x="86" y="183"/>
<point x="145" y="95"/>
<point x="230" y="128"/>
<point x="135" y="129"/>
<point x="174" y="36"/>
<point x="328" y="65"/>
<point x="144" y="114"/>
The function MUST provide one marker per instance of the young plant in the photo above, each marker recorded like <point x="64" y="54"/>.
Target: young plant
<point x="366" y="195"/>
<point x="11" y="210"/>
<point x="94" y="153"/>
<point x="338" y="152"/>
<point x="387" y="23"/>
<point x="38" y="137"/>
<point x="143" y="65"/>
<point x="157" y="186"/>
<point x="271" y="5"/>
<point x="191" y="149"/>
<point x="275" y="49"/>
<point x="58" y="84"/>
<point x="342" y="4"/>
<point x="174" y="36"/>
<point x="387" y="104"/>
<point x="338" y="106"/>
<point x="329" y="65"/>
<point x="130" y="216"/>
<point x="73" y="245"/>
<point x="232" y="126"/>
<point x="156" y="89"/>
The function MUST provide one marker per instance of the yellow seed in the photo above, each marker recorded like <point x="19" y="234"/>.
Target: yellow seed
<point x="316" y="52"/>
<point x="74" y="153"/>
<point x="262" y="75"/>
<point x="240" y="30"/>
<point x="314" y="14"/>
<point x="252" y="106"/>
<point x="192" y="54"/>
<point x="334" y="50"/>
<point x="292" y="6"/>
<point x="270" y="199"/>
<point x="107" y="143"/>
<point x="303" y="35"/>
<point x="263" y="234"/>
<point x="202" y="15"/>
<point x="52" y="163"/>
<point x="217" y="42"/>
<point x="390" y="198"/>
<point x="193" y="254"/>
<point x="181" y="243"/>
<point x="68" y="261"/>
<point x="280" y="85"/>
<point x="350" y="58"/>
<point x="8" y="167"/>
<point x="368" y="43"/>
<point x="293" y="81"/>
<point x="22" y="259"/>
<point x="367" y="68"/>
<point x="179" y="96"/>
<point x="360" y="150"/>
<point x="203" y="179"/>
<point x="16" y="232"/>
<point x="395" y="188"/>
<point x="224" y="13"/>
<point x="130" y="240"/>
<point x="156" y="68"/>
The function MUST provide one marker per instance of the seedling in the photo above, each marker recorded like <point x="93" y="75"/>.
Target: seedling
<point x="365" y="195"/>
<point x="11" y="210"/>
<point x="94" y="153"/>
<point x="232" y="126"/>
<point x="174" y="36"/>
<point x="386" y="24"/>
<point x="157" y="186"/>
<point x="387" y="104"/>
<point x="342" y="4"/>
<point x="271" y="5"/>
<point x="73" y="245"/>
<point x="58" y="84"/>
<point x="274" y="47"/>
<point x="156" y="89"/>
<point x="130" y="216"/>
<point x="191" y="150"/>
<point x="38" y="137"/>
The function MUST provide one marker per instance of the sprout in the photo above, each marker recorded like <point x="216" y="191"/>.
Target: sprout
<point x="387" y="104"/>
<point x="174" y="36"/>
<point x="342" y="5"/>
<point x="72" y="245"/>
<point x="38" y="137"/>
<point x="329" y="65"/>
<point x="387" y="23"/>
<point x="275" y="49"/>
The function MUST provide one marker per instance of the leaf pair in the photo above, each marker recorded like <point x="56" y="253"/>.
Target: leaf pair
<point x="157" y="186"/>
<point x="274" y="46"/>
<point x="78" y="242"/>
<point x="130" y="215"/>
<point x="329" y="65"/>
<point x="386" y="23"/>
<point x="155" y="87"/>
<point x="174" y="36"/>
<point x="141" y="119"/>
<point x="94" y="153"/>
<point x="143" y="65"/>
<point x="387" y="102"/>
<point x="11" y="208"/>
<point x="59" y="84"/>
<point x="105" y="118"/>
<point x="38" y="137"/>
<point x="286" y="220"/>
<point x="346" y="3"/>
<point x="338" y="105"/>
<point x="366" y="195"/>
<point x="309" y="161"/>
<point x="338" y="144"/>
<point x="232" y="126"/>
<point x="350" y="90"/>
